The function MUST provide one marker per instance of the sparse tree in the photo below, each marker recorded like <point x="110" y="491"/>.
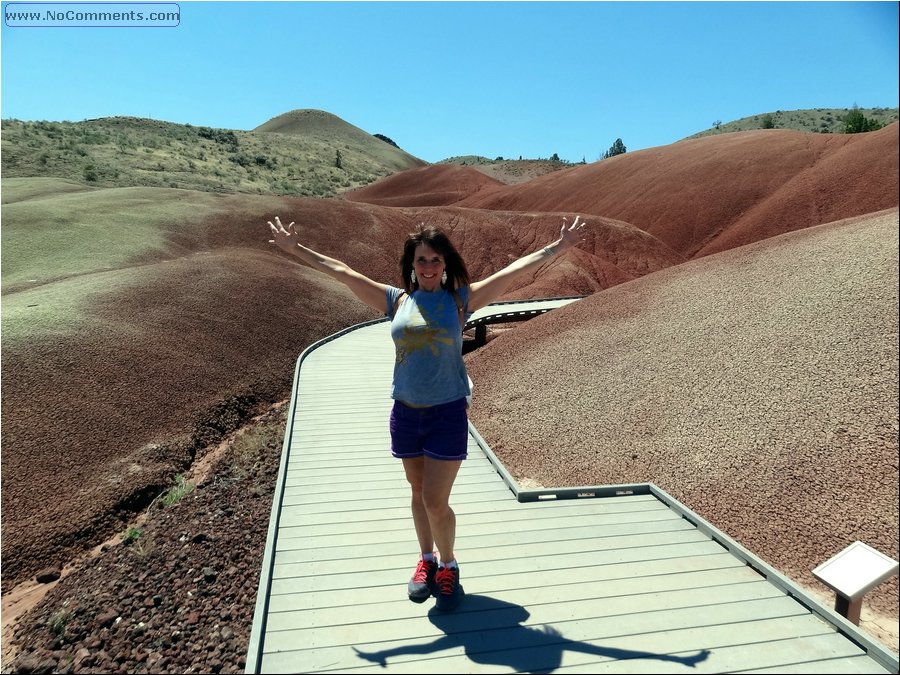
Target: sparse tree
<point x="717" y="124"/>
<point x="554" y="157"/>
<point x="618" y="148"/>
<point x="768" y="122"/>
<point x="337" y="159"/>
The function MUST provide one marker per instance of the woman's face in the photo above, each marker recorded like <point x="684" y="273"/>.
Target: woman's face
<point x="429" y="266"/>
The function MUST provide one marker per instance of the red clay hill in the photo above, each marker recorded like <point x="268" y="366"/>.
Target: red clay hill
<point x="710" y="194"/>
<point x="697" y="196"/>
<point x="436" y="185"/>
<point x="757" y="383"/>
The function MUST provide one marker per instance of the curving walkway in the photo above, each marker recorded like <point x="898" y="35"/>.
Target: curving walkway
<point x="594" y="579"/>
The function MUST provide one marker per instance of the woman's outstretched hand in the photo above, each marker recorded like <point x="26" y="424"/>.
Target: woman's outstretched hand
<point x="285" y="238"/>
<point x="573" y="234"/>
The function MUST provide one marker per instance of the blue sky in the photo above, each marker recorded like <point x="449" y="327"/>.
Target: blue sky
<point x="442" y="79"/>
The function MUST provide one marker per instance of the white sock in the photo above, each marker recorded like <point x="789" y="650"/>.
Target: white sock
<point x="451" y="564"/>
<point x="427" y="557"/>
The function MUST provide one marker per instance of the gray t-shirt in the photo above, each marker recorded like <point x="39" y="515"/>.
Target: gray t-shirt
<point x="429" y="368"/>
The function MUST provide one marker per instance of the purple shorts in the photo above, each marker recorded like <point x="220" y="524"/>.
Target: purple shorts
<point x="439" y="431"/>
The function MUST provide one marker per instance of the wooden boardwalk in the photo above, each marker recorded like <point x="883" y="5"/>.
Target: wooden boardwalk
<point x="596" y="579"/>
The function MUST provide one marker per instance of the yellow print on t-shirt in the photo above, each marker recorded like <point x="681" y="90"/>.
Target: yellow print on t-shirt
<point x="420" y="333"/>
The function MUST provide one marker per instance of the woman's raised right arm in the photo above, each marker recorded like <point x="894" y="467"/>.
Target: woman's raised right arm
<point x="370" y="292"/>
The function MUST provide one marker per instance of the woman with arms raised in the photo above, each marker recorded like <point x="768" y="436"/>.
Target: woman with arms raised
<point x="428" y="423"/>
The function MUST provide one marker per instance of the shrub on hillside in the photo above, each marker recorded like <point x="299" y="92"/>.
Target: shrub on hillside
<point x="856" y="123"/>
<point x="222" y="136"/>
<point x="386" y="140"/>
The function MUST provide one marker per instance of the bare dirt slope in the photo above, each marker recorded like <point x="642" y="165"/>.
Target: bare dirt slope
<point x="435" y="185"/>
<point x="514" y="171"/>
<point x="711" y="194"/>
<point x="98" y="420"/>
<point x="449" y="183"/>
<point x="758" y="386"/>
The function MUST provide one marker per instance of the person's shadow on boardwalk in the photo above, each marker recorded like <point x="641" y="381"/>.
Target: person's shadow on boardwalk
<point x="490" y="632"/>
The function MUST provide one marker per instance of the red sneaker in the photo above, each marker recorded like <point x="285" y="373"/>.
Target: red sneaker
<point x="421" y="586"/>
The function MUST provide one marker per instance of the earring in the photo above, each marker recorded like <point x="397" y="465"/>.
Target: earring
<point x="412" y="278"/>
<point x="444" y="277"/>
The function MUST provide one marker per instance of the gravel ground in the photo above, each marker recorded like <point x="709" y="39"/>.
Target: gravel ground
<point x="758" y="387"/>
<point x="180" y="597"/>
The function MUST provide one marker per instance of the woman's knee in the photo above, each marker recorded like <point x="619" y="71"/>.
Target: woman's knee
<point x="418" y="495"/>
<point x="435" y="505"/>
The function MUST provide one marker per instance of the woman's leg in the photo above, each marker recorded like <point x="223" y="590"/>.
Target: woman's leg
<point x="431" y="481"/>
<point x="415" y="474"/>
<point x="437" y="482"/>
<point x="443" y="433"/>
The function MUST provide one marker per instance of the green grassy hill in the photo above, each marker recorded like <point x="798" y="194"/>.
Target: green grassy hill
<point x="815" y="120"/>
<point x="54" y="229"/>
<point x="342" y="135"/>
<point x="132" y="152"/>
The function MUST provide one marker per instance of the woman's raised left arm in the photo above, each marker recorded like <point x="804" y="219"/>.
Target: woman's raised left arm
<point x="483" y="293"/>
